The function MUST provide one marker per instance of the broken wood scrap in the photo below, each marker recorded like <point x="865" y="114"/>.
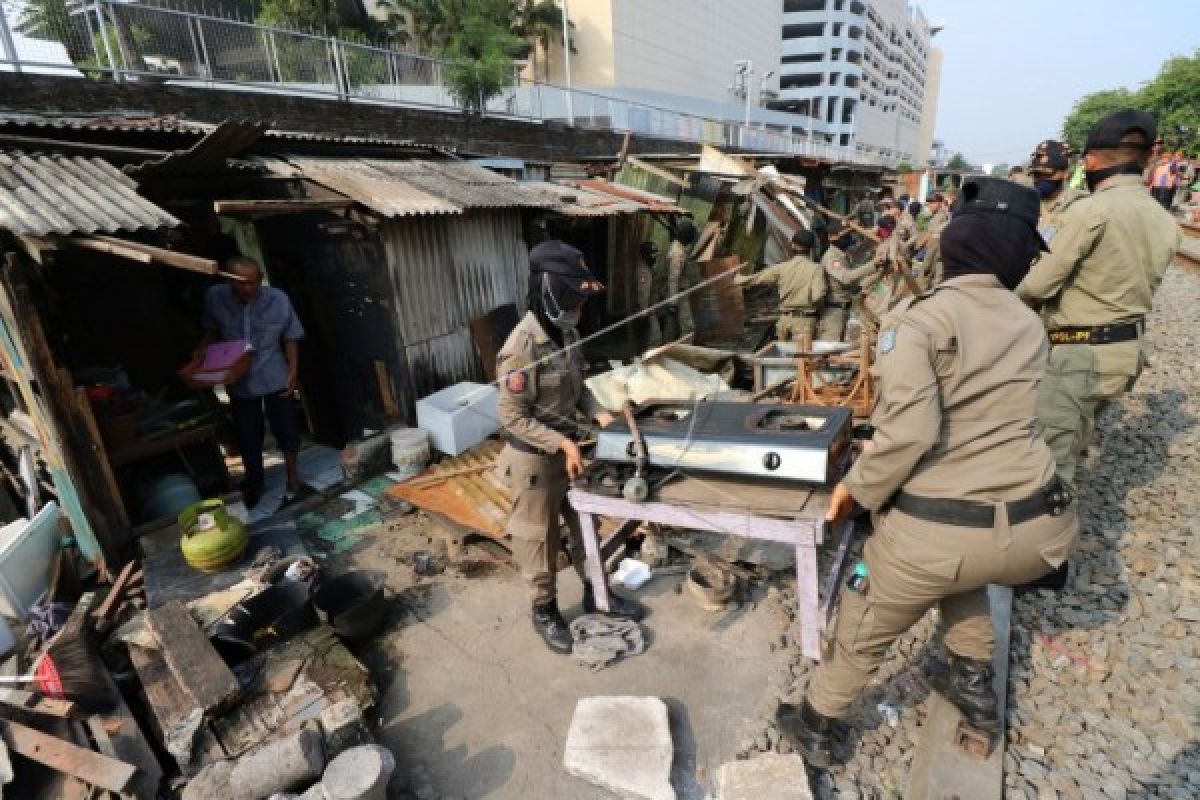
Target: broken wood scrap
<point x="36" y="704"/>
<point x="192" y="659"/>
<point x="171" y="708"/>
<point x="107" y="610"/>
<point x="713" y="560"/>
<point x="94" y="768"/>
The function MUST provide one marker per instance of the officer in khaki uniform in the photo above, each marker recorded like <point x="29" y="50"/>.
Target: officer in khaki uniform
<point x="650" y="291"/>
<point x="541" y="389"/>
<point x="1048" y="166"/>
<point x="962" y="487"/>
<point x="841" y="281"/>
<point x="1097" y="284"/>
<point x="928" y="245"/>
<point x="801" y="285"/>
<point x="681" y="276"/>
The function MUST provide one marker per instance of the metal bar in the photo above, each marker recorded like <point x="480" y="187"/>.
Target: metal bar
<point x="108" y="51"/>
<point x="808" y="602"/>
<point x="208" y="70"/>
<point x="6" y="40"/>
<point x="594" y="566"/>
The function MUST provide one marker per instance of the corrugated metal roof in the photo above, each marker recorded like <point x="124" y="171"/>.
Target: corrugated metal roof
<point x="56" y="194"/>
<point x="164" y="124"/>
<point x="573" y="201"/>
<point x="653" y="202"/>
<point x="413" y="186"/>
<point x="210" y="153"/>
<point x="462" y="183"/>
<point x="363" y="183"/>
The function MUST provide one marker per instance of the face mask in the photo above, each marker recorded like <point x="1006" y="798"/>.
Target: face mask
<point x="1047" y="186"/>
<point x="1097" y="176"/>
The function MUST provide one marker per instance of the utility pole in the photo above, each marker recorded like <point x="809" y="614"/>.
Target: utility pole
<point x="566" y="32"/>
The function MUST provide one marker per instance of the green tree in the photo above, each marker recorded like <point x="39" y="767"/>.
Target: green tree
<point x="1090" y="109"/>
<point x="49" y="19"/>
<point x="479" y="51"/>
<point x="957" y="162"/>
<point x="1000" y="170"/>
<point x="1174" y="98"/>
<point x="904" y="168"/>
<point x="538" y="23"/>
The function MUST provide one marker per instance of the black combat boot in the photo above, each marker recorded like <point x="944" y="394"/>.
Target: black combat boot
<point x="549" y="623"/>
<point x="809" y="732"/>
<point x="618" y="606"/>
<point x="967" y="684"/>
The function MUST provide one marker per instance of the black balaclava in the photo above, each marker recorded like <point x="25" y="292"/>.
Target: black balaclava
<point x="990" y="244"/>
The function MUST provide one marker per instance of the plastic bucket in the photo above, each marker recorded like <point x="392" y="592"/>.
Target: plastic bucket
<point x="410" y="451"/>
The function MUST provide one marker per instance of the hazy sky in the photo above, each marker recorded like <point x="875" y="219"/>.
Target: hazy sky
<point x="1014" y="68"/>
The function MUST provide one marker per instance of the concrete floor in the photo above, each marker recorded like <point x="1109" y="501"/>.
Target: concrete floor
<point x="478" y="708"/>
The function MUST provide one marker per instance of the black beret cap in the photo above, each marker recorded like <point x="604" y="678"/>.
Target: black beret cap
<point x="803" y="238"/>
<point x="1109" y="131"/>
<point x="982" y="195"/>
<point x="1050" y="156"/>
<point x="559" y="258"/>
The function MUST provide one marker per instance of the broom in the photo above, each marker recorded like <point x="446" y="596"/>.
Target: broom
<point x="70" y="668"/>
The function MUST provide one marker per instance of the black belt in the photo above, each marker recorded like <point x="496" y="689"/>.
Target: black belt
<point x="1096" y="334"/>
<point x="844" y="306"/>
<point x="797" y="312"/>
<point x="1052" y="499"/>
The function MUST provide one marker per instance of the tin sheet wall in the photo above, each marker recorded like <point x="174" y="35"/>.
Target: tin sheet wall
<point x="443" y="271"/>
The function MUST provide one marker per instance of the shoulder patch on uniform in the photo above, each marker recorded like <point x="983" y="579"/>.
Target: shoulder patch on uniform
<point x="516" y="381"/>
<point x="887" y="341"/>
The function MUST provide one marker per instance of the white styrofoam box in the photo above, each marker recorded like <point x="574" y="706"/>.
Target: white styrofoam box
<point x="27" y="546"/>
<point x="460" y="417"/>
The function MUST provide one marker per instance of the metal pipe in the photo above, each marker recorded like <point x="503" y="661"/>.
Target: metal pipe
<point x="566" y="25"/>
<point x="112" y="61"/>
<point x="6" y="40"/>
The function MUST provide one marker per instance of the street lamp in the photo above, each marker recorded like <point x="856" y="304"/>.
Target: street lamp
<point x="745" y="71"/>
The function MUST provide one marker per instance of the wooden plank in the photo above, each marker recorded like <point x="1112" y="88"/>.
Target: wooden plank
<point x="104" y="743"/>
<point x="144" y="253"/>
<point x="36" y="704"/>
<point x="113" y="600"/>
<point x="386" y="394"/>
<point x="294" y="206"/>
<point x="939" y="768"/>
<point x="161" y="444"/>
<point x="669" y="177"/>
<point x="169" y="704"/>
<point x="61" y="756"/>
<point x="97" y="444"/>
<point x="191" y="657"/>
<point x="130" y="745"/>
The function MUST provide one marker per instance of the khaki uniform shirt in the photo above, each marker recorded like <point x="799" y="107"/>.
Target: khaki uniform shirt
<point x="842" y="280"/>
<point x="540" y="386"/>
<point x="1054" y="209"/>
<point x="801" y="283"/>
<point x="1107" y="259"/>
<point x="932" y="269"/>
<point x="958" y="373"/>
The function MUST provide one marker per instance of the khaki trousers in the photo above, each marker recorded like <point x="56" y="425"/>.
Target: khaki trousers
<point x="790" y="327"/>
<point x="1080" y="380"/>
<point x="539" y="487"/>
<point x="915" y="565"/>
<point x="833" y="324"/>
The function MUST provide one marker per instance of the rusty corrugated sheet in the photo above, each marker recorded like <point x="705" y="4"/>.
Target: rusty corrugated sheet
<point x="464" y="184"/>
<point x="466" y="489"/>
<point x="378" y="191"/>
<point x="443" y="272"/>
<point x="574" y="201"/>
<point x="58" y="194"/>
<point x="653" y="202"/>
<point x="211" y="153"/>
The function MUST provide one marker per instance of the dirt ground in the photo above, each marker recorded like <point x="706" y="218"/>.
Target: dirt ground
<point x="473" y="705"/>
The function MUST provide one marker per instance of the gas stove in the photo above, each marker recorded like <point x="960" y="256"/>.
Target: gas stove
<point x="782" y="442"/>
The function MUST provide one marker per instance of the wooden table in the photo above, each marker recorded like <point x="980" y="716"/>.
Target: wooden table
<point x="791" y="514"/>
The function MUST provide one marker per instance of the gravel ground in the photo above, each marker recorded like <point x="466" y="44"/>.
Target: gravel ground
<point x="1104" y="689"/>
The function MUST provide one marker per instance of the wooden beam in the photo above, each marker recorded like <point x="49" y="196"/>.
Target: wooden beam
<point x="670" y="177"/>
<point x="191" y="657"/>
<point x="145" y="253"/>
<point x="36" y="704"/>
<point x="97" y="443"/>
<point x="294" y="206"/>
<point x="88" y="766"/>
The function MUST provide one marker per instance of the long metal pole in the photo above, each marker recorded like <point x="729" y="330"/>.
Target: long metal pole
<point x="108" y="51"/>
<point x="566" y="32"/>
<point x="6" y="40"/>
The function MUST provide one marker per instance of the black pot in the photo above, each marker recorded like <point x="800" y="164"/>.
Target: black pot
<point x="353" y="604"/>
<point x="273" y="615"/>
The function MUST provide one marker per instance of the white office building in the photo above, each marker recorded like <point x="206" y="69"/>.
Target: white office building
<point x="860" y="71"/>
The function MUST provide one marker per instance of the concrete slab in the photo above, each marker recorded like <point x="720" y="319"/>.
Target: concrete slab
<point x="479" y="708"/>
<point x="622" y="744"/>
<point x="771" y="775"/>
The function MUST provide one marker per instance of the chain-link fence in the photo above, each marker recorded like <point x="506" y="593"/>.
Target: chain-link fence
<point x="129" y="41"/>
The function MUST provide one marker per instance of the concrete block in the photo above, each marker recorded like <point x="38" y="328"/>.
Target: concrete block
<point x="622" y="744"/>
<point x="771" y="775"/>
<point x="360" y="773"/>
<point x="212" y="781"/>
<point x="295" y="760"/>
